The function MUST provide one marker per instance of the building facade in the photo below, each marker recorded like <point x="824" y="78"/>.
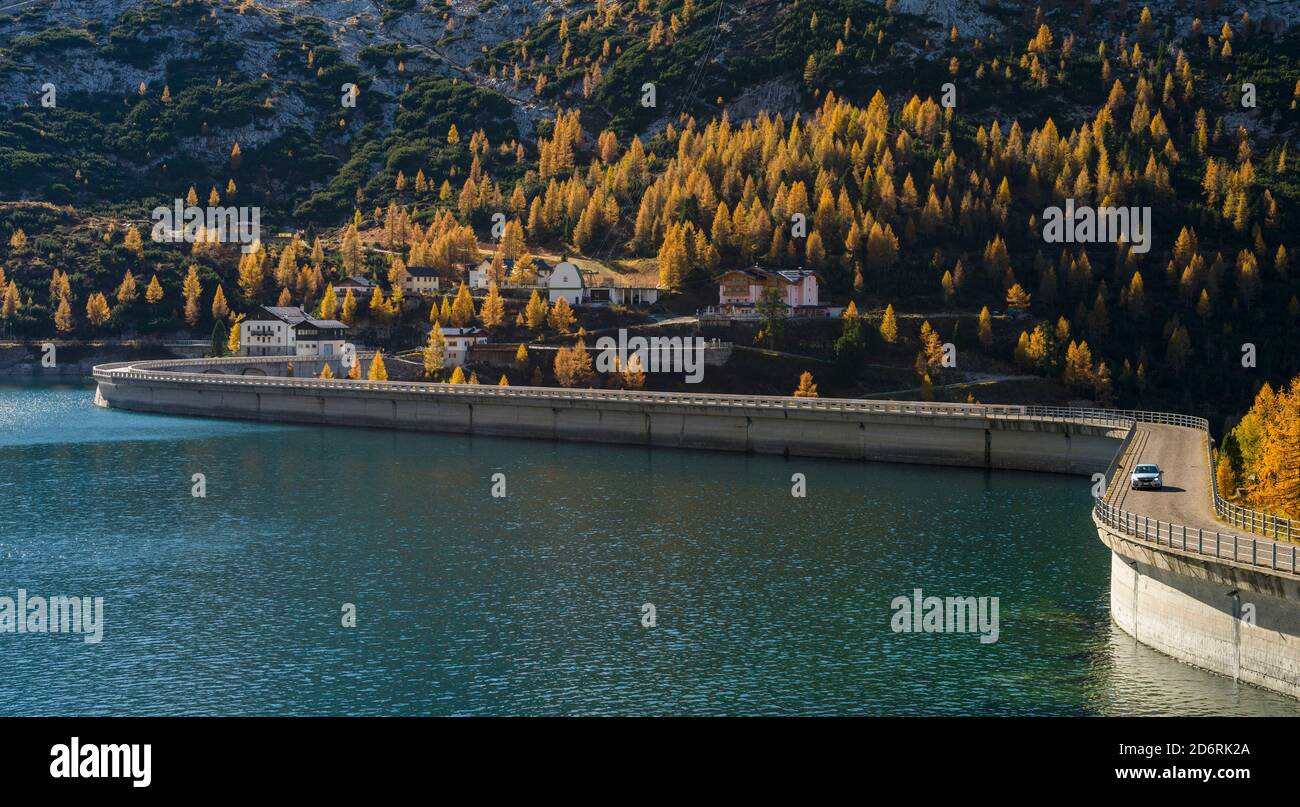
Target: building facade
<point x="459" y="341"/>
<point x="360" y="287"/>
<point x="743" y="288"/>
<point x="480" y="276"/>
<point x="420" y="281"/>
<point x="623" y="295"/>
<point x="290" y="331"/>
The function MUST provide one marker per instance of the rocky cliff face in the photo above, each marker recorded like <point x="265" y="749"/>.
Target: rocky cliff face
<point x="121" y="44"/>
<point x="290" y="58"/>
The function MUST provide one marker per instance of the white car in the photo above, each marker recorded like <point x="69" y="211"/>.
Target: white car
<point x="1147" y="476"/>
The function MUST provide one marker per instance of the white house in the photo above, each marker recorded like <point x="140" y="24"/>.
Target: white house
<point x="459" y="341"/>
<point x="290" y="331"/>
<point x="480" y="277"/>
<point x="567" y="281"/>
<point x="420" y="281"/>
<point x="743" y="288"/>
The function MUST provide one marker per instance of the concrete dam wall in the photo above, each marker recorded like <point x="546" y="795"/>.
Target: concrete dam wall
<point x="1219" y="615"/>
<point x="1003" y="437"/>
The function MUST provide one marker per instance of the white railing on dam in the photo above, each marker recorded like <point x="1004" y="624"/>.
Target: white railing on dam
<point x="155" y="372"/>
<point x="1197" y="540"/>
<point x="1184" y="538"/>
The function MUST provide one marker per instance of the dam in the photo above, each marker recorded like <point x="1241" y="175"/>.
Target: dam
<point x="1224" y="598"/>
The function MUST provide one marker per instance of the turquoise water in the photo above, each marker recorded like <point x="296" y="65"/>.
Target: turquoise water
<point x="531" y="604"/>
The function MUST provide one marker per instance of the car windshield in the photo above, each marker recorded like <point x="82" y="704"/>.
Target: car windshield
<point x="1147" y="469"/>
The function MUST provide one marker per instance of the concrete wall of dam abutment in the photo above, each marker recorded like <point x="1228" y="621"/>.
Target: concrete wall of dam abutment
<point x="1220" y="616"/>
<point x="978" y="442"/>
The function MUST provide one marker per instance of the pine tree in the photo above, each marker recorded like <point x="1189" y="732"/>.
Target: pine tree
<point x="132" y="241"/>
<point x="287" y="268"/>
<point x="378" y="305"/>
<point x="220" y="336"/>
<point x="1078" y="372"/>
<point x="127" y="291"/>
<point x="633" y="376"/>
<point x="97" y="312"/>
<point x="561" y="318"/>
<point x="326" y="372"/>
<point x="251" y="277"/>
<point x="573" y="365"/>
<point x="949" y="287"/>
<point x="220" y="308"/>
<point x="457" y="376"/>
<point x="1104" y="385"/>
<point x="63" y="315"/>
<point x="672" y="259"/>
<point x="985" y="328"/>
<point x="806" y="388"/>
<point x="435" y="352"/>
<point x="191" y="289"/>
<point x="1021" y="352"/>
<point x="889" y="326"/>
<point x="351" y="249"/>
<point x="11" y="302"/>
<point x="378" y="372"/>
<point x="1136" y="295"/>
<point x="535" y="312"/>
<point x="232" y="344"/>
<point x="932" y="347"/>
<point x="1267" y="440"/>
<point x="462" y="310"/>
<point x="1017" y="298"/>
<point x="512" y="240"/>
<point x="493" y="312"/>
<point x="1225" y="477"/>
<point x="349" y="310"/>
<point x="329" y="303"/>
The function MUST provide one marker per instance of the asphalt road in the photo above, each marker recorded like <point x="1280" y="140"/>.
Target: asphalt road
<point x="1185" y="499"/>
<point x="1180" y="452"/>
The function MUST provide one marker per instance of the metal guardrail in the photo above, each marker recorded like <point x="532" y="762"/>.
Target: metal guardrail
<point x="1280" y="527"/>
<point x="1135" y="524"/>
<point x="1247" y="550"/>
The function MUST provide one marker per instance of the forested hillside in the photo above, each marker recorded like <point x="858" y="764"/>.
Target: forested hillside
<point x="684" y="138"/>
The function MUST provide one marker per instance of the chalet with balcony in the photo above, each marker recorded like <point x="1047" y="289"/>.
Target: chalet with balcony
<point x="740" y="290"/>
<point x="290" y="331"/>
